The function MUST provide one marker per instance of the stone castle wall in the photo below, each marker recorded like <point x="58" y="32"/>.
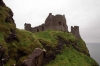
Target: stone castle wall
<point x="75" y="31"/>
<point x="57" y="22"/>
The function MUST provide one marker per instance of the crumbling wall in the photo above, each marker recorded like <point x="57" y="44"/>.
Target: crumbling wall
<point x="75" y="31"/>
<point x="27" y="27"/>
<point x="57" y="22"/>
<point x="38" y="28"/>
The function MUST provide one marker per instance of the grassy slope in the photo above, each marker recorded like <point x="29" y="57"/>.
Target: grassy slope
<point x="51" y="36"/>
<point x="5" y="26"/>
<point x="69" y="56"/>
<point x="28" y="41"/>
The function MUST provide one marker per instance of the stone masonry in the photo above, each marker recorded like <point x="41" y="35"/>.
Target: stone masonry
<point x="75" y="31"/>
<point x="54" y="22"/>
<point x="57" y="22"/>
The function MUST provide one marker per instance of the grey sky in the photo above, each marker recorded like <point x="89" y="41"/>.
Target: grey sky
<point x="84" y="13"/>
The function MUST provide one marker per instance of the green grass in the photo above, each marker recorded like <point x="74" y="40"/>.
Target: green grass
<point x="82" y="46"/>
<point x="51" y="36"/>
<point x="3" y="43"/>
<point x="5" y="26"/>
<point x="71" y="57"/>
<point x="29" y="41"/>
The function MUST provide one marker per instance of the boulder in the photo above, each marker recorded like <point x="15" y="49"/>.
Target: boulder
<point x="35" y="59"/>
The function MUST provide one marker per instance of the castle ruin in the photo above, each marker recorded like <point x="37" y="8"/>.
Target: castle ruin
<point x="54" y="22"/>
<point x="57" y="22"/>
<point x="75" y="31"/>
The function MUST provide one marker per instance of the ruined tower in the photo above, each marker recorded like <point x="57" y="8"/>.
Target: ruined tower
<point x="54" y="22"/>
<point x="27" y="27"/>
<point x="57" y="22"/>
<point x="75" y="31"/>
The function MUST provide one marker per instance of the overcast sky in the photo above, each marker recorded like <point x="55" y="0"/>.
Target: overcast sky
<point x="83" y="13"/>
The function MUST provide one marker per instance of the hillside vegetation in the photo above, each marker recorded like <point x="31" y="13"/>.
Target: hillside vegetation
<point x="61" y="48"/>
<point x="69" y="55"/>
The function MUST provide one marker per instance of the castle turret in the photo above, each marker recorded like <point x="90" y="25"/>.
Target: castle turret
<point x="65" y="23"/>
<point x="75" y="31"/>
<point x="56" y="22"/>
<point x="27" y="27"/>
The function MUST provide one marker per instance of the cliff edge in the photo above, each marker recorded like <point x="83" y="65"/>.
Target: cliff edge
<point x="45" y="48"/>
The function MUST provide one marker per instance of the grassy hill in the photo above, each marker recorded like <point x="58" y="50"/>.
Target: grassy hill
<point x="69" y="55"/>
<point x="62" y="49"/>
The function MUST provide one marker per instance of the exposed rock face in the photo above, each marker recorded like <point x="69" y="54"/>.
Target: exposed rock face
<point x="75" y="31"/>
<point x="57" y="22"/>
<point x="35" y="59"/>
<point x="53" y="51"/>
<point x="3" y="57"/>
<point x="10" y="17"/>
<point x="2" y="3"/>
<point x="12" y="36"/>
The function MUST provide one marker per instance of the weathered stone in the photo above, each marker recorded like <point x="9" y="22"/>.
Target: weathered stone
<point x="3" y="58"/>
<point x="57" y="22"/>
<point x="7" y="19"/>
<point x="75" y="31"/>
<point x="35" y="59"/>
<point x="2" y="50"/>
<point x="12" y="36"/>
<point x="1" y="64"/>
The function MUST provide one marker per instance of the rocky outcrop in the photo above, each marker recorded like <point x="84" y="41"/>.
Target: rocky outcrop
<point x="53" y="51"/>
<point x="2" y="3"/>
<point x="35" y="59"/>
<point x="3" y="58"/>
<point x="10" y="17"/>
<point x="12" y="36"/>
